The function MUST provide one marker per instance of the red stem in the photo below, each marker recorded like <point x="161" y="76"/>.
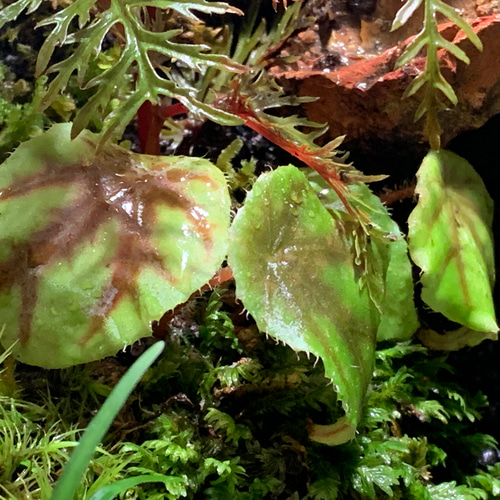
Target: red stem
<point x="252" y="121"/>
<point x="149" y="125"/>
<point x="150" y="118"/>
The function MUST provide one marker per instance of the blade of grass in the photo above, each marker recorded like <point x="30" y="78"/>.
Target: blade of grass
<point x="78" y="463"/>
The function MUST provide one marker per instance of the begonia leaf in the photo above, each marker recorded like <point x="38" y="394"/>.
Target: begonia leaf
<point x="454" y="340"/>
<point x="94" y="246"/>
<point x="295" y="273"/>
<point x="388" y="269"/>
<point x="398" y="318"/>
<point x="450" y="239"/>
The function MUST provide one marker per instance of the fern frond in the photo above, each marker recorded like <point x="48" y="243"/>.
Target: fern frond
<point x="224" y="423"/>
<point x="432" y="80"/>
<point x="254" y="96"/>
<point x="234" y="375"/>
<point x="150" y="55"/>
<point x="12" y="11"/>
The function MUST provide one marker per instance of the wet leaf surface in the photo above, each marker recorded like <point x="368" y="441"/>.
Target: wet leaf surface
<point x="295" y="273"/>
<point x="93" y="248"/>
<point x="451" y="241"/>
<point x="388" y="269"/>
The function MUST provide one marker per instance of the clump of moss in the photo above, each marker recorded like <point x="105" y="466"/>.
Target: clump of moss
<point x="224" y="413"/>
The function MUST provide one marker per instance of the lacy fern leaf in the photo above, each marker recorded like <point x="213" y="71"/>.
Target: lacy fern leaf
<point x="431" y="78"/>
<point x="12" y="11"/>
<point x="149" y="53"/>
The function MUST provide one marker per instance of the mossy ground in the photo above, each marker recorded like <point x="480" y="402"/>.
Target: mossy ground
<point x="225" y="411"/>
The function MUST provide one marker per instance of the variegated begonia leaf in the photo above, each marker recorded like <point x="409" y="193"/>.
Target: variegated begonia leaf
<point x="295" y="273"/>
<point x="450" y="239"/>
<point x="387" y="261"/>
<point x="94" y="246"/>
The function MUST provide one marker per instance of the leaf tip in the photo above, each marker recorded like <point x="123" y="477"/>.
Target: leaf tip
<point x="332" y="435"/>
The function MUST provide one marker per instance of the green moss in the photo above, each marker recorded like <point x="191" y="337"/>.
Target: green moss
<point x="224" y="414"/>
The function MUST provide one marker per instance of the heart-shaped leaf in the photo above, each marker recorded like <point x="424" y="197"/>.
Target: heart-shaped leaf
<point x="451" y="241"/>
<point x="93" y="247"/>
<point x="295" y="273"/>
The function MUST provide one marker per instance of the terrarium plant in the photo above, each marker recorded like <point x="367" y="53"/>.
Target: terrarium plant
<point x="98" y="242"/>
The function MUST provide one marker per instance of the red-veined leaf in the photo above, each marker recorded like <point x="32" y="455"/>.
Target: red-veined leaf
<point x="95" y="247"/>
<point x="451" y="241"/>
<point x="295" y="273"/>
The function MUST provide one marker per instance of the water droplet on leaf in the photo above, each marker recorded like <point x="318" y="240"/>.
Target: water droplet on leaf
<point x="296" y="197"/>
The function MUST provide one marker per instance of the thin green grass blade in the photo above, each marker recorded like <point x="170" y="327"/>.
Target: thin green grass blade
<point x="78" y="463"/>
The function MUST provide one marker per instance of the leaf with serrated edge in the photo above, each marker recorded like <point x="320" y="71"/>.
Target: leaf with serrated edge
<point x="450" y="240"/>
<point x="388" y="246"/>
<point x="93" y="248"/>
<point x="295" y="273"/>
<point x="143" y="50"/>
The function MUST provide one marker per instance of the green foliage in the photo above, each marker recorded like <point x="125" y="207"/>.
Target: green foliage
<point x="30" y="455"/>
<point x="431" y="79"/>
<point x="148" y="49"/>
<point x="250" y="442"/>
<point x="221" y="421"/>
<point x="407" y="393"/>
<point x="451" y="241"/>
<point x="217" y="328"/>
<point x="372" y="289"/>
<point x="116" y="239"/>
<point x="488" y="481"/>
<point x="18" y="122"/>
<point x="243" y="177"/>
<point x="226" y="413"/>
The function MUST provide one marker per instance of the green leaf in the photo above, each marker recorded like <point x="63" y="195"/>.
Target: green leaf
<point x="295" y="273"/>
<point x="95" y="247"/>
<point x="388" y="272"/>
<point x="451" y="241"/>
